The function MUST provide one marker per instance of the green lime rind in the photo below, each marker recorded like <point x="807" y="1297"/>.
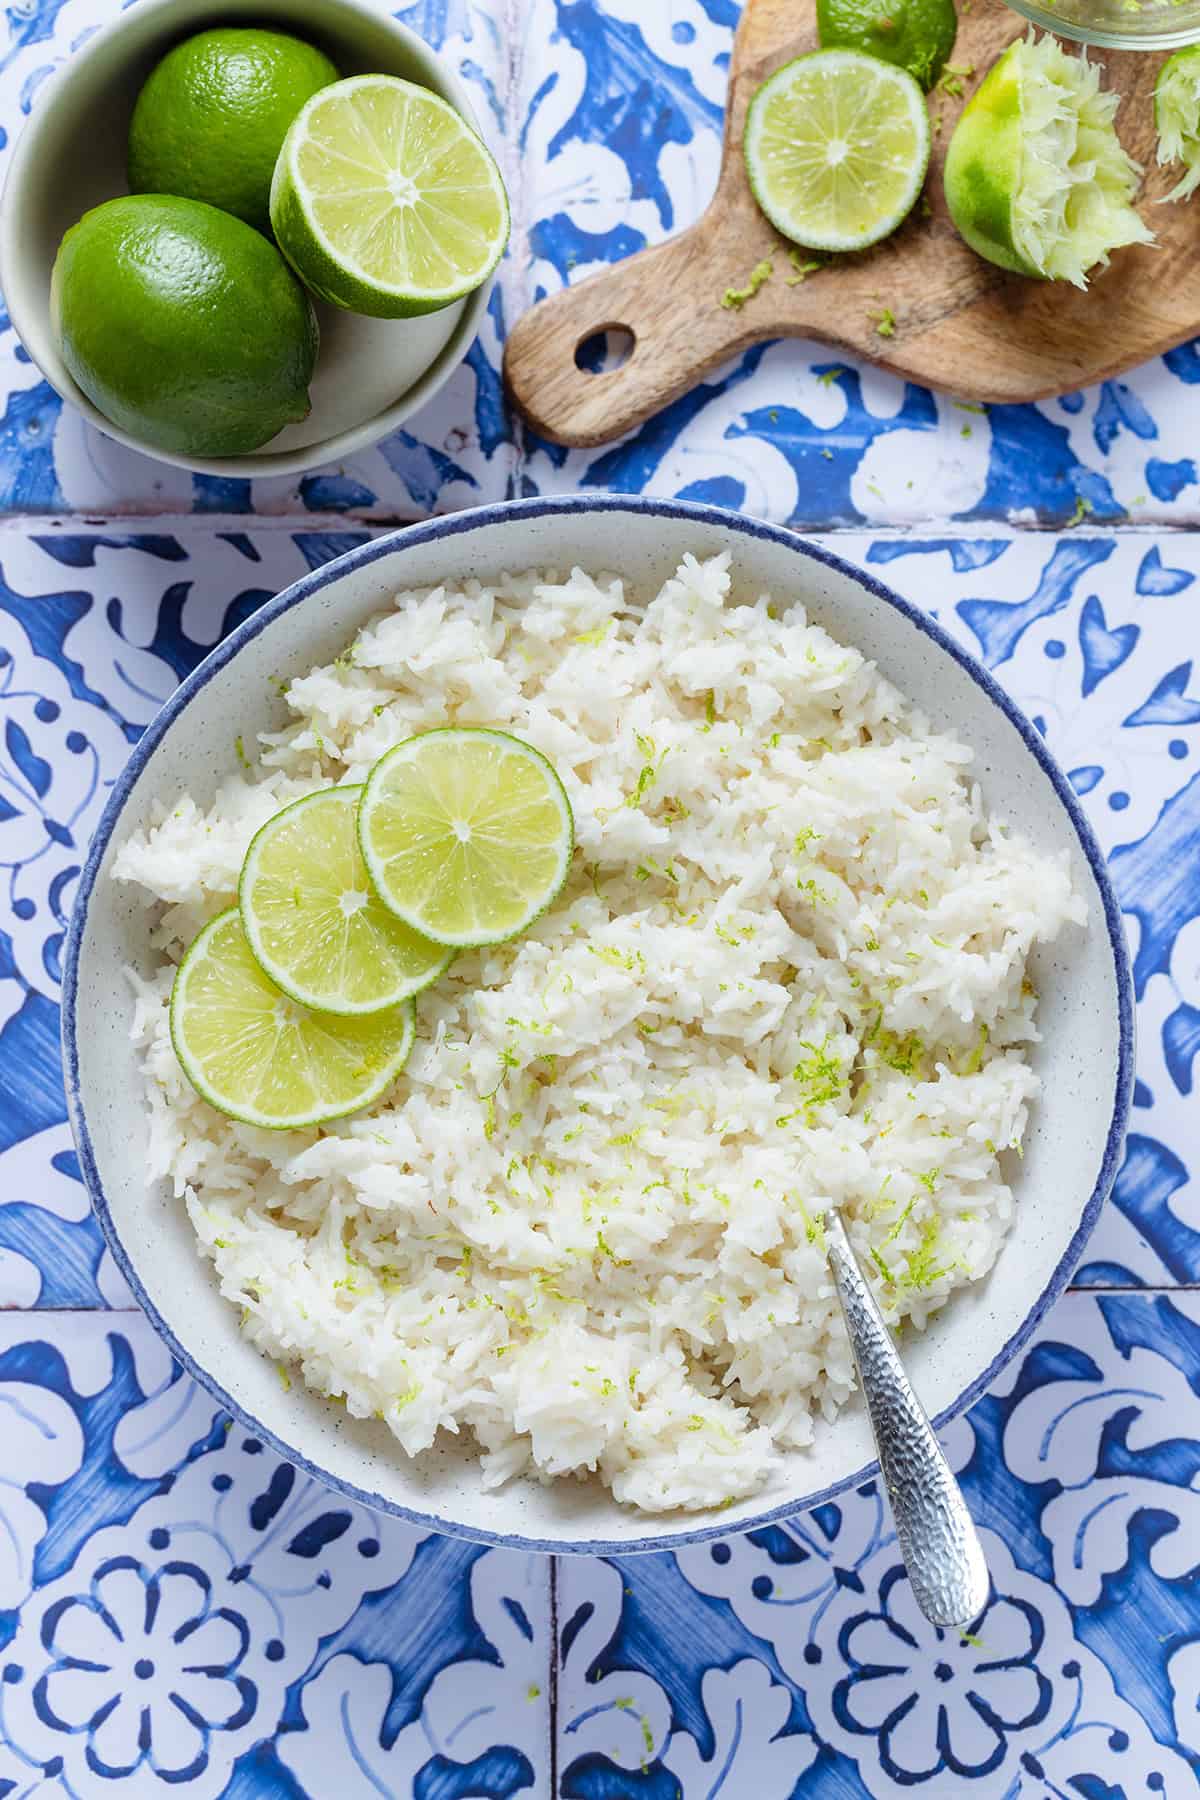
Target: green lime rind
<point x="983" y="166"/>
<point x="211" y="118"/>
<point x="313" y="921"/>
<point x="386" y="201"/>
<point x="837" y="146"/>
<point x="257" y="1057"/>
<point x="917" y="35"/>
<point x="1036" y="178"/>
<point x="183" y="325"/>
<point x="1177" y="117"/>
<point x="467" y="834"/>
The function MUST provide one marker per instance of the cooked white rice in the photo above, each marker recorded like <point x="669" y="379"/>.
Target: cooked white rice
<point x="787" y="972"/>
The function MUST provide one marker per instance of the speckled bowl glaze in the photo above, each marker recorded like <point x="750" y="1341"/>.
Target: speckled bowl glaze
<point x="1085" y="1059"/>
<point x="371" y="373"/>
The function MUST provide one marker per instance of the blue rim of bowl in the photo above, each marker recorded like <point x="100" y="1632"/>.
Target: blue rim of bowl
<point x="439" y="530"/>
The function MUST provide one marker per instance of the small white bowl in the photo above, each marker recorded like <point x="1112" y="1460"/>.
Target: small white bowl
<point x="371" y="373"/>
<point x="1085" y="1060"/>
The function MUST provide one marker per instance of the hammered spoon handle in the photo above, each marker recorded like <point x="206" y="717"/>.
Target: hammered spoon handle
<point x="938" y="1540"/>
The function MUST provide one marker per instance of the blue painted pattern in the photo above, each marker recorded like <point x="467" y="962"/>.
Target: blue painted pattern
<point x="794" y="1661"/>
<point x="181" y="1613"/>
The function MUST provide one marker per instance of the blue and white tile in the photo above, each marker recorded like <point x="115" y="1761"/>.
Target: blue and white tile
<point x="618" y="113"/>
<point x="1090" y="634"/>
<point x="181" y="1612"/>
<point x="457" y="451"/>
<point x="793" y="1661"/>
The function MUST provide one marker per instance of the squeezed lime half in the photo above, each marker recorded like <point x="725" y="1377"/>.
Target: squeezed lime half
<point x="1036" y="177"/>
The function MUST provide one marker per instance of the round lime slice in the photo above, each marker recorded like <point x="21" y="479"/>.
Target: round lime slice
<point x="836" y="147"/>
<point x="466" y="833"/>
<point x="253" y="1053"/>
<point x="313" y="920"/>
<point x="386" y="201"/>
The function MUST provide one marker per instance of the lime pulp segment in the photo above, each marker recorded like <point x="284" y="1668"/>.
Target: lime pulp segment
<point x="1177" y="117"/>
<point x="385" y="200"/>
<point x="836" y="147"/>
<point x="467" y="834"/>
<point x="1036" y="178"/>
<point x="313" y="920"/>
<point x="251" y="1052"/>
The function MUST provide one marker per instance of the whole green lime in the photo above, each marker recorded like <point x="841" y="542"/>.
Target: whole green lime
<point x="917" y="35"/>
<point x="183" y="325"/>
<point x="209" y="122"/>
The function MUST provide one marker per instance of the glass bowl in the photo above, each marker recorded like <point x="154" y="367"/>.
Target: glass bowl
<point x="1118" y="24"/>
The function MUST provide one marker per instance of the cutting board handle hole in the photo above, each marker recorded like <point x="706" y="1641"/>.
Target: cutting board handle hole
<point x="602" y="351"/>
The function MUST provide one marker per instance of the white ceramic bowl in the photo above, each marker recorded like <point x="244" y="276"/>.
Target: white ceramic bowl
<point x="371" y="373"/>
<point x="1085" y="1060"/>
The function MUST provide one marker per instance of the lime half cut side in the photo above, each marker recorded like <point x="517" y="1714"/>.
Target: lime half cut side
<point x="836" y="147"/>
<point x="467" y="834"/>
<point x="253" y="1053"/>
<point x="1037" y="180"/>
<point x="386" y="201"/>
<point x="313" y="920"/>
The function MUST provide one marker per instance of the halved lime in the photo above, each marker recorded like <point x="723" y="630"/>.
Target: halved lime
<point x="466" y="833"/>
<point x="253" y="1053"/>
<point x="917" y="35"/>
<point x="315" y="923"/>
<point x="1036" y="178"/>
<point x="836" y="147"/>
<point x="386" y="201"/>
<point x="1177" y="117"/>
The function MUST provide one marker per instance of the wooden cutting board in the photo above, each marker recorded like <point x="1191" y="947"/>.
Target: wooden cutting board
<point x="960" y="324"/>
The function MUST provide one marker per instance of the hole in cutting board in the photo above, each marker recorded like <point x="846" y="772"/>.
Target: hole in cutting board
<point x="600" y="352"/>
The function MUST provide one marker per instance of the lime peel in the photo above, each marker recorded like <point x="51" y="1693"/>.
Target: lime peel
<point x="1036" y="178"/>
<point x="1177" y="117"/>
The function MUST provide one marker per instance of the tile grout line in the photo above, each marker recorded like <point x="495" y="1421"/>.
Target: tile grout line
<point x="135" y="523"/>
<point x="513" y="285"/>
<point x="552" y="1680"/>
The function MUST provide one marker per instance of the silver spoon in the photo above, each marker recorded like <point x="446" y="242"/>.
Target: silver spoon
<point x="938" y="1540"/>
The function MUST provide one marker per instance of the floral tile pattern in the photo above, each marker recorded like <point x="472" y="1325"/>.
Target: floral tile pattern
<point x="793" y="1661"/>
<point x="179" y="1610"/>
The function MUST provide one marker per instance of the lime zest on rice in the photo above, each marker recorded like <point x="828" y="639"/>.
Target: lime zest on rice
<point x="587" y="1225"/>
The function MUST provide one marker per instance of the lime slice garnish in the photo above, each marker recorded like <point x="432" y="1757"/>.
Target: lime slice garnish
<point x="253" y="1053"/>
<point x="1177" y="117"/>
<point x="313" y="920"/>
<point x="386" y="201"/>
<point x="1036" y="178"/>
<point x="836" y="146"/>
<point x="467" y="834"/>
